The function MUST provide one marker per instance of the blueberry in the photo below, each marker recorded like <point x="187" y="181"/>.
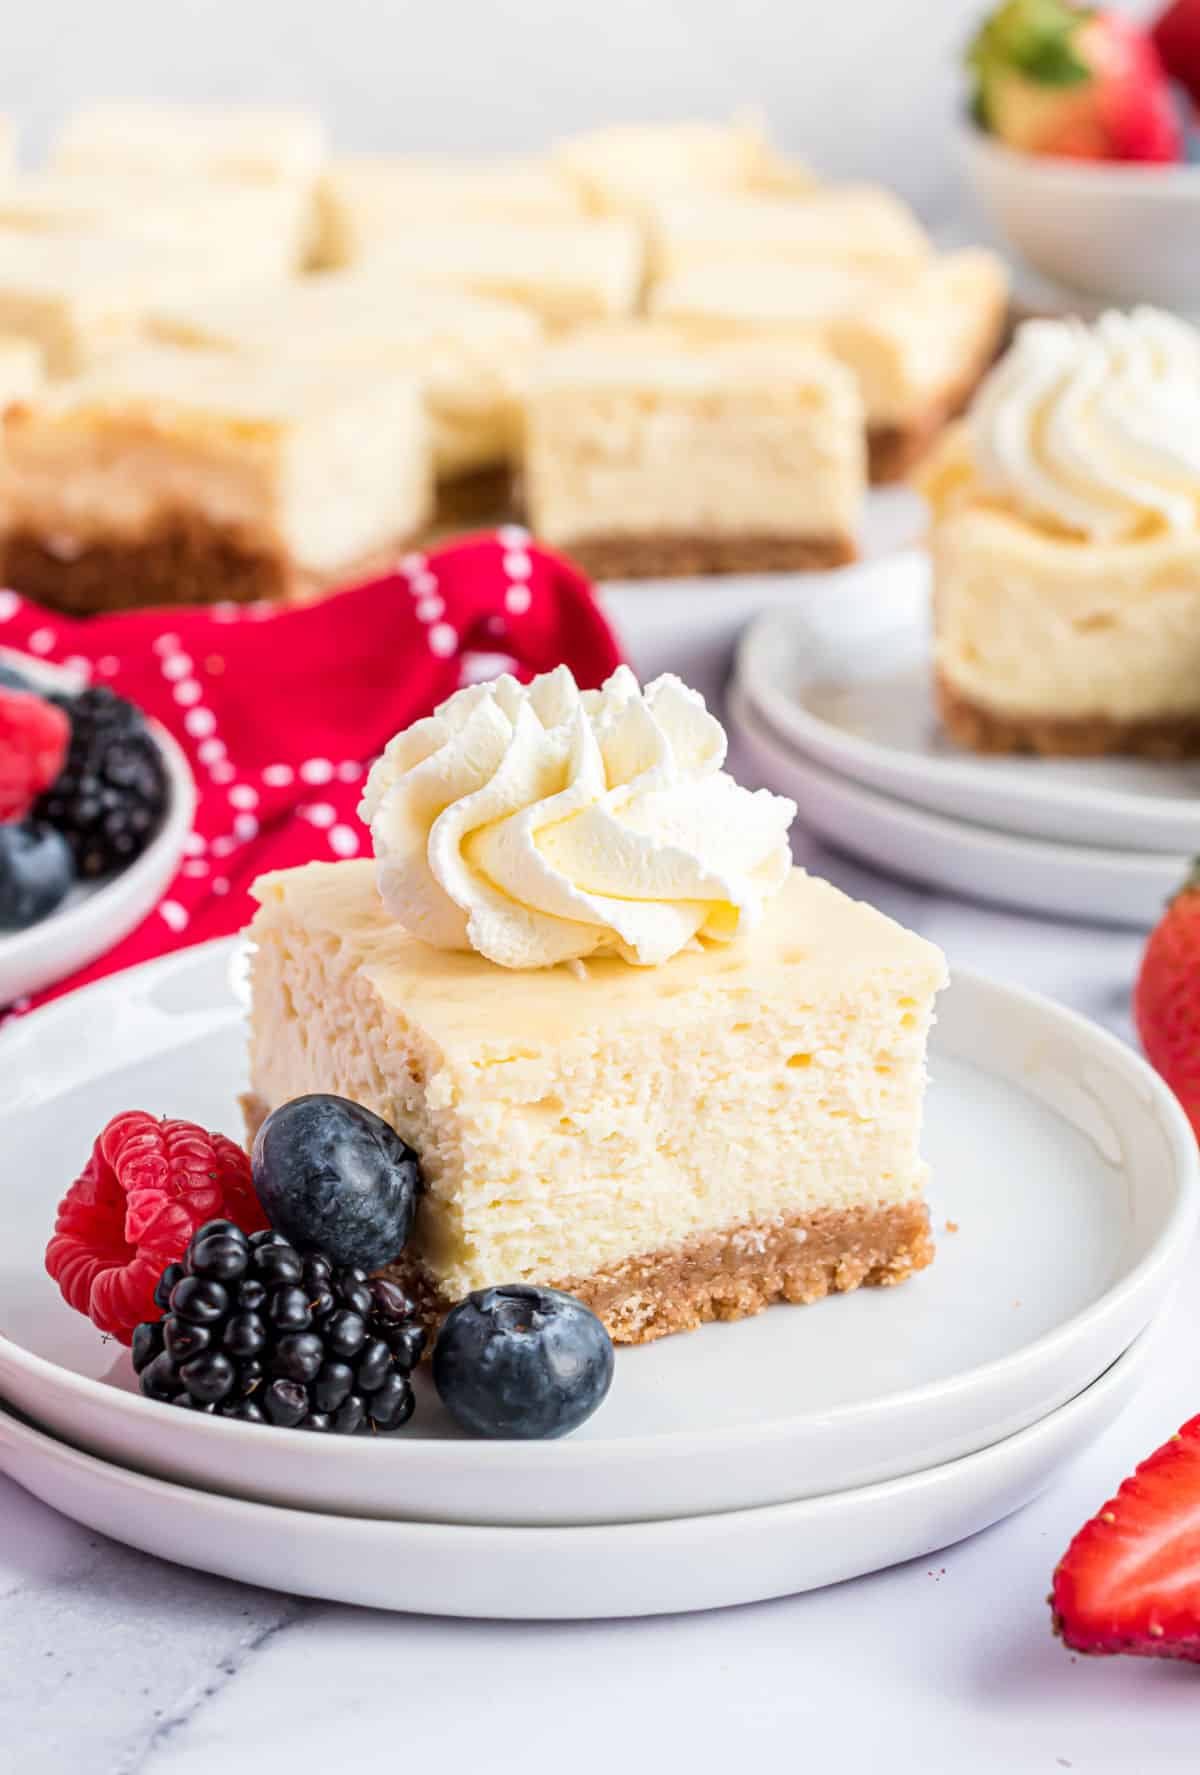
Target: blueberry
<point x="147" y="1344"/>
<point x="36" y="873"/>
<point x="392" y="1404"/>
<point x="209" y="1377"/>
<point x="330" y="1174"/>
<point x="522" y="1362"/>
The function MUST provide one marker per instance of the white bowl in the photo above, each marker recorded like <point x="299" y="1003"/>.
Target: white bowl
<point x="96" y="915"/>
<point x="1120" y="231"/>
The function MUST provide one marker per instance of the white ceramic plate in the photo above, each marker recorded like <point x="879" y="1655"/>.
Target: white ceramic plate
<point x="847" y="680"/>
<point x="95" y="916"/>
<point x="618" y="1569"/>
<point x="1065" y="1164"/>
<point x="1065" y="880"/>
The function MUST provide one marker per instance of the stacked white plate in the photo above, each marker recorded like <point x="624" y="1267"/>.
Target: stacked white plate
<point x="740" y="1462"/>
<point x="832" y="700"/>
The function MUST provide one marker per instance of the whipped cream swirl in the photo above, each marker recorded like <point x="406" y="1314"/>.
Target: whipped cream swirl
<point x="539" y="823"/>
<point x="1096" y="429"/>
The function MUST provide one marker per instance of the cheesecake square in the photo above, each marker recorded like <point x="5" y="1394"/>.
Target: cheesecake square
<point x="855" y="225"/>
<point x="622" y="168"/>
<point x="368" y="201"/>
<point x="673" y="1144"/>
<point x="82" y="298"/>
<point x="645" y="457"/>
<point x="566" y="273"/>
<point x="170" y="477"/>
<point x="468" y="354"/>
<point x="260" y="144"/>
<point x="264" y="229"/>
<point x="917" y="338"/>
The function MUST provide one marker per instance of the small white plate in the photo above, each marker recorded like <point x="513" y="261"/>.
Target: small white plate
<point x="1066" y="1166"/>
<point x="1079" y="882"/>
<point x="95" y="916"/>
<point x="848" y="681"/>
<point x="564" y="1574"/>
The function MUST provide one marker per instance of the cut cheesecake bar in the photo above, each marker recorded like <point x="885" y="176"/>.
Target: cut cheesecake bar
<point x="854" y="225"/>
<point x="467" y="354"/>
<point x="673" y="1144"/>
<point x="918" y="339"/>
<point x="623" y="168"/>
<point x="644" y="457"/>
<point x="185" y="477"/>
<point x="368" y="201"/>
<point x="566" y="273"/>
<point x="257" y="144"/>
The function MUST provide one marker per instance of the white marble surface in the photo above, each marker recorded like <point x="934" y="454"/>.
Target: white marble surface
<point x="114" y="1664"/>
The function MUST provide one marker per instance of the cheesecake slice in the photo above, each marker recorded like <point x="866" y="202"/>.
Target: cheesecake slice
<point x="370" y="200"/>
<point x="918" y="337"/>
<point x="641" y="1056"/>
<point x="671" y="1144"/>
<point x="171" y="477"/>
<point x="1066" y="545"/>
<point x="645" y="457"/>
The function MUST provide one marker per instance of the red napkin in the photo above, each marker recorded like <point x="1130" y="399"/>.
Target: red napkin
<point x="280" y="711"/>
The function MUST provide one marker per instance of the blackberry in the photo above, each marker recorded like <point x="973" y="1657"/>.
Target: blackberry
<point x="256" y="1330"/>
<point x="111" y="795"/>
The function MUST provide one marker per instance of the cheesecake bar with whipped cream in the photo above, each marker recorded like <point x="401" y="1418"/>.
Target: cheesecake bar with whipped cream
<point x="172" y="476"/>
<point x="640" y="1055"/>
<point x="644" y="457"/>
<point x="917" y="335"/>
<point x="1066" y="544"/>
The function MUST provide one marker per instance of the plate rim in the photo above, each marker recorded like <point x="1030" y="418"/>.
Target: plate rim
<point x="870" y="764"/>
<point x="1172" y="1237"/>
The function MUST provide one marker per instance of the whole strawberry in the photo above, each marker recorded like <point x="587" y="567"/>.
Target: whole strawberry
<point x="1053" y="77"/>
<point x="1166" y="998"/>
<point x="1130" y="1580"/>
<point x="1176" y="35"/>
<point x="34" y="735"/>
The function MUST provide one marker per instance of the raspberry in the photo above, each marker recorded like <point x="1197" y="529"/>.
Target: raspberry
<point x="147" y="1187"/>
<point x="34" y="735"/>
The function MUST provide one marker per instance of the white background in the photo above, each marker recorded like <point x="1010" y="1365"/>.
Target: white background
<point x="866" y="87"/>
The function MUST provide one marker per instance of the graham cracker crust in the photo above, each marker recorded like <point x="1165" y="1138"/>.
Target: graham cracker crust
<point x="182" y="561"/>
<point x="685" y="557"/>
<point x="726" y="1275"/>
<point x="980" y="729"/>
<point x="735" y="1273"/>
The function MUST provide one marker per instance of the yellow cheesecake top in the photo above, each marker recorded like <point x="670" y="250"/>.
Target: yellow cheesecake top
<point x="811" y="937"/>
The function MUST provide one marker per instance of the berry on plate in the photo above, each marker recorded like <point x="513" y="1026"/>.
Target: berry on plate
<point x="1130" y="1580"/>
<point x="148" y="1185"/>
<point x="1176" y="34"/>
<point x="256" y="1330"/>
<point x="332" y="1175"/>
<point x="1052" y="77"/>
<point x="36" y="873"/>
<point x="111" y="796"/>
<point x="1166" y="998"/>
<point x="522" y="1362"/>
<point x="33" y="747"/>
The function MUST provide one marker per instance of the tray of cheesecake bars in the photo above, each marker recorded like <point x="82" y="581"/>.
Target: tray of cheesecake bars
<point x="562" y="1191"/>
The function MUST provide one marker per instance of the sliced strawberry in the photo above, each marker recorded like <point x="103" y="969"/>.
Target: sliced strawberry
<point x="1166" y="999"/>
<point x="34" y="735"/>
<point x="147" y="1187"/>
<point x="1176" y="35"/>
<point x="1130" y="1580"/>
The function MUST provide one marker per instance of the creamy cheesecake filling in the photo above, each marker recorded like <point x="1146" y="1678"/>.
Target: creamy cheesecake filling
<point x="1032" y="624"/>
<point x="567" y="1125"/>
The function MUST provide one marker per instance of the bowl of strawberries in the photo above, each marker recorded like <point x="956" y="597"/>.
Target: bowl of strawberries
<point x="96" y="803"/>
<point x="1083" y="144"/>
